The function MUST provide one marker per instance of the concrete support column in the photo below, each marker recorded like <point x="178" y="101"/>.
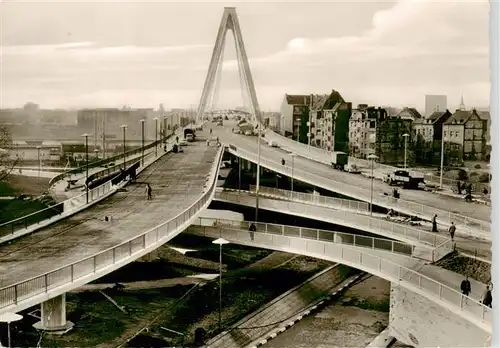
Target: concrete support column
<point x="53" y="316"/>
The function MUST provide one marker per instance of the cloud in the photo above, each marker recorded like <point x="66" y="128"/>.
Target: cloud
<point x="407" y="50"/>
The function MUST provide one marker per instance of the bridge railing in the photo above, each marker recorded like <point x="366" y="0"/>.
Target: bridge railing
<point x="468" y="225"/>
<point x="340" y="203"/>
<point x="324" y="156"/>
<point x="355" y="220"/>
<point x="361" y="258"/>
<point x="12" y="295"/>
<point x="374" y="243"/>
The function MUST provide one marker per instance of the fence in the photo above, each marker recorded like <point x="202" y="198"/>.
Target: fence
<point x="324" y="156"/>
<point x="349" y="219"/>
<point x="12" y="295"/>
<point x="468" y="226"/>
<point x="440" y="293"/>
<point x="340" y="203"/>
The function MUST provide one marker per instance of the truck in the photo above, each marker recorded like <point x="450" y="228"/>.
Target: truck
<point x="273" y="143"/>
<point x="339" y="160"/>
<point x="190" y="138"/>
<point x="189" y="131"/>
<point x="404" y="178"/>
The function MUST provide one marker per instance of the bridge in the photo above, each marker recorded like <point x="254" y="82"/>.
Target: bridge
<point x="122" y="227"/>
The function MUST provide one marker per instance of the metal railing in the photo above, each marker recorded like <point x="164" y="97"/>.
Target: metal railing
<point x="114" y="158"/>
<point x="333" y="202"/>
<point x="324" y="156"/>
<point x="361" y="258"/>
<point x="45" y="216"/>
<point x="346" y="218"/>
<point x="12" y="295"/>
<point x="468" y="225"/>
<point x="353" y="240"/>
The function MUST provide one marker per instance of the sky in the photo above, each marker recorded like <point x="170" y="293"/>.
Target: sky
<point x="109" y="54"/>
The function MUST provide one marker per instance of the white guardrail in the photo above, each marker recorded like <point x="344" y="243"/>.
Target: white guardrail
<point x="16" y="297"/>
<point x="323" y="156"/>
<point x="467" y="225"/>
<point x="360" y="258"/>
<point x="346" y="218"/>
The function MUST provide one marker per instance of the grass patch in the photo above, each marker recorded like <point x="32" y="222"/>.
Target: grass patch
<point x="476" y="269"/>
<point x="16" y="208"/>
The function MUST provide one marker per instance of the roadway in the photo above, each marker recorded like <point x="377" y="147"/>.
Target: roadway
<point x="177" y="180"/>
<point x="325" y="172"/>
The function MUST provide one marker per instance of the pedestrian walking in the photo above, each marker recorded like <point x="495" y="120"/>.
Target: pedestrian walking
<point x="434" y="223"/>
<point x="459" y="187"/>
<point x="487" y="298"/>
<point x="452" y="230"/>
<point x="485" y="191"/>
<point x="149" y="192"/>
<point x="465" y="287"/>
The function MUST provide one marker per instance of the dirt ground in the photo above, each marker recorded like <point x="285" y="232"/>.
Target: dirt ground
<point x="345" y="323"/>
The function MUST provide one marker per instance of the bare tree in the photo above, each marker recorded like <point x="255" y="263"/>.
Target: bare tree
<point x="6" y="162"/>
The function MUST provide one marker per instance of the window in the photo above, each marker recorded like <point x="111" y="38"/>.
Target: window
<point x="456" y="134"/>
<point x="444" y="133"/>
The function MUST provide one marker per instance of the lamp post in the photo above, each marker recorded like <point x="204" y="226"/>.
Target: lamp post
<point x="143" y="121"/>
<point x="9" y="318"/>
<point x="258" y="175"/>
<point x="220" y="242"/>
<point x="124" y="126"/>
<point x="164" y="129"/>
<point x="39" y="164"/>
<point x="372" y="159"/>
<point x="406" y="135"/>
<point x="293" y="167"/>
<point x="442" y="160"/>
<point x="86" y="166"/>
<point x="156" y="136"/>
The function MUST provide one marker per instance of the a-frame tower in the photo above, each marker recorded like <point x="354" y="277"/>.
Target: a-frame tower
<point x="229" y="22"/>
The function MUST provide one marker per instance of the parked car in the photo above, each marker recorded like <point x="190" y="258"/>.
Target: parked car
<point x="183" y="142"/>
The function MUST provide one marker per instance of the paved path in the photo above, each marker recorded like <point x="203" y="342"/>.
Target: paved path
<point x="326" y="173"/>
<point x="177" y="181"/>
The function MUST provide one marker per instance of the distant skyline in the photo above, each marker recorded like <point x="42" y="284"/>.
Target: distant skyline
<point x="75" y="55"/>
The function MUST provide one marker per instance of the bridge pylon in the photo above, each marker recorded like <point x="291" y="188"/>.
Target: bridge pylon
<point x="229" y="22"/>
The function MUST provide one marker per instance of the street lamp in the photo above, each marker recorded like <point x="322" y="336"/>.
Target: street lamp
<point x="86" y="166"/>
<point x="442" y="160"/>
<point x="372" y="159"/>
<point x="220" y="242"/>
<point x="293" y="166"/>
<point x="156" y="136"/>
<point x="258" y="175"/>
<point x="9" y="318"/>
<point x="124" y="126"/>
<point x="406" y="135"/>
<point x="164" y="129"/>
<point x="39" y="163"/>
<point x="143" y="121"/>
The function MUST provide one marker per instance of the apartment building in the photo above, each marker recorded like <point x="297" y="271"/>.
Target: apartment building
<point x="362" y="129"/>
<point x="294" y="112"/>
<point x="430" y="128"/>
<point x="390" y="142"/>
<point x="466" y="133"/>
<point x="329" y="117"/>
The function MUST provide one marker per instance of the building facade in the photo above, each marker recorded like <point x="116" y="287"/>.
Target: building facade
<point x="390" y="142"/>
<point x="362" y="130"/>
<point x="466" y="133"/>
<point x="294" y="112"/>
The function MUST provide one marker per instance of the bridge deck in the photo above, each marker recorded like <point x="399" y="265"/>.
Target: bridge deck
<point x="177" y="180"/>
<point x="450" y="204"/>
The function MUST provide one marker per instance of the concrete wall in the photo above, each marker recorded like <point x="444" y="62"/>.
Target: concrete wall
<point x="419" y="322"/>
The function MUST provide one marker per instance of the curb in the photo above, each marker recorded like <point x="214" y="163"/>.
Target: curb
<point x="309" y="310"/>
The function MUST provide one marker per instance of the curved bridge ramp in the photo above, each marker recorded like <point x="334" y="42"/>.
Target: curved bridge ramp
<point x="398" y="269"/>
<point x="425" y="242"/>
<point x="336" y="181"/>
<point x="82" y="248"/>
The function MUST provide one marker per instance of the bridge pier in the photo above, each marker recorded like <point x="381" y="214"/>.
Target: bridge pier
<point x="53" y="316"/>
<point x="419" y="322"/>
